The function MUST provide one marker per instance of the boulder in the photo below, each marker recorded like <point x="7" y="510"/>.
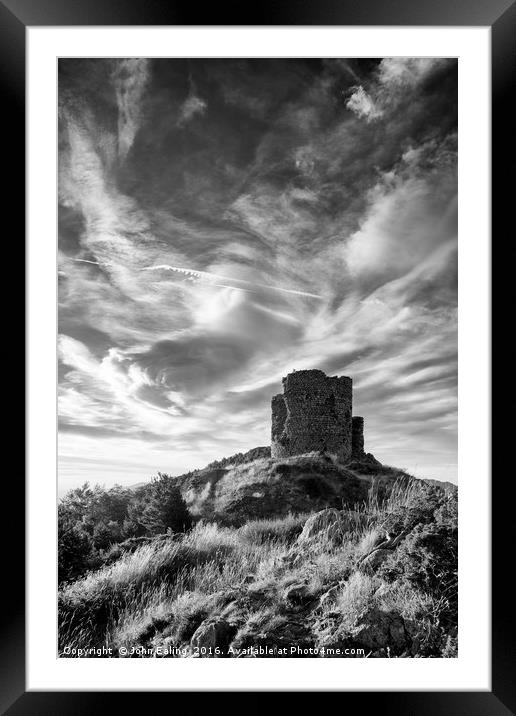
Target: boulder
<point x="297" y="594"/>
<point x="329" y="524"/>
<point x="331" y="594"/>
<point x="375" y="559"/>
<point x="276" y="637"/>
<point x="212" y="638"/>
<point x="376" y="629"/>
<point x="382" y="590"/>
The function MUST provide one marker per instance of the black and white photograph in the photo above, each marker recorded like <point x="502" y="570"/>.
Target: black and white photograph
<point x="257" y="356"/>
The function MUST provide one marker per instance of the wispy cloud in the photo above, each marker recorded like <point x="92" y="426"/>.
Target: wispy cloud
<point x="229" y="282"/>
<point x="363" y="105"/>
<point x="130" y="77"/>
<point x="395" y="77"/>
<point x="193" y="105"/>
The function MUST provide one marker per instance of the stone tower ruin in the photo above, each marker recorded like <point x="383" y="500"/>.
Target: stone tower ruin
<point x="314" y="413"/>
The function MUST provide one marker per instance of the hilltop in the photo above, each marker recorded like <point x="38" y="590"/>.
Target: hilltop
<point x="237" y="489"/>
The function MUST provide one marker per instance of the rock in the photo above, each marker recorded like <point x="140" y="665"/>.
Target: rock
<point x="376" y="629"/>
<point x="335" y="614"/>
<point x="331" y="594"/>
<point x="232" y="612"/>
<point x="397" y="631"/>
<point x="297" y="594"/>
<point x="256" y="596"/>
<point x="382" y="589"/>
<point x="276" y="637"/>
<point x="289" y="559"/>
<point x="329" y="524"/>
<point x="375" y="559"/>
<point x="212" y="638"/>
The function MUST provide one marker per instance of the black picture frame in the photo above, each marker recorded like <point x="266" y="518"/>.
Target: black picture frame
<point x="500" y="16"/>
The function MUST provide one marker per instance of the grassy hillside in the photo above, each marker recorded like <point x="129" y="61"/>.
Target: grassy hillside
<point x="344" y="565"/>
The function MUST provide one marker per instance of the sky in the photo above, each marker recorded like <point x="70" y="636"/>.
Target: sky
<point x="223" y="222"/>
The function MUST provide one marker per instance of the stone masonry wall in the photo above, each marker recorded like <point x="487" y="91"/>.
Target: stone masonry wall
<point x="313" y="413"/>
<point x="357" y="436"/>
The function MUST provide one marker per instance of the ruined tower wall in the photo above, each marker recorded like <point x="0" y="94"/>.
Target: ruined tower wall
<point x="357" y="436"/>
<point x="279" y="416"/>
<point x="313" y="413"/>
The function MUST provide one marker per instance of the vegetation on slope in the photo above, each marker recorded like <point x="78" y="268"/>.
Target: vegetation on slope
<point x="92" y="520"/>
<point x="377" y="578"/>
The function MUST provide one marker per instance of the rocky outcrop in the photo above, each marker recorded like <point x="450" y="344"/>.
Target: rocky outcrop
<point x="381" y="551"/>
<point x="212" y="638"/>
<point x="330" y="525"/>
<point x="272" y="638"/>
<point x="376" y="558"/>
<point x="297" y="594"/>
<point x="377" y="629"/>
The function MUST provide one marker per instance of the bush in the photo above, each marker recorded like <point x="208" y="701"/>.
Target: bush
<point x="74" y="546"/>
<point x="91" y="521"/>
<point x="427" y="560"/>
<point x="162" y="508"/>
<point x="106" y="534"/>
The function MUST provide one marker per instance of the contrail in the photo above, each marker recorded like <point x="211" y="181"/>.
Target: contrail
<point x="212" y="277"/>
<point x="206" y="276"/>
<point x="96" y="263"/>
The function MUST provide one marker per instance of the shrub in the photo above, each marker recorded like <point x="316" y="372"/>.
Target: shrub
<point x="106" y="534"/>
<point x="74" y="546"/>
<point x="427" y="560"/>
<point x="159" y="508"/>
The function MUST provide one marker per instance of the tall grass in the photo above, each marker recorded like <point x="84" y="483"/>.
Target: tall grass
<point x="149" y="580"/>
<point x="283" y="530"/>
<point x="164" y="589"/>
